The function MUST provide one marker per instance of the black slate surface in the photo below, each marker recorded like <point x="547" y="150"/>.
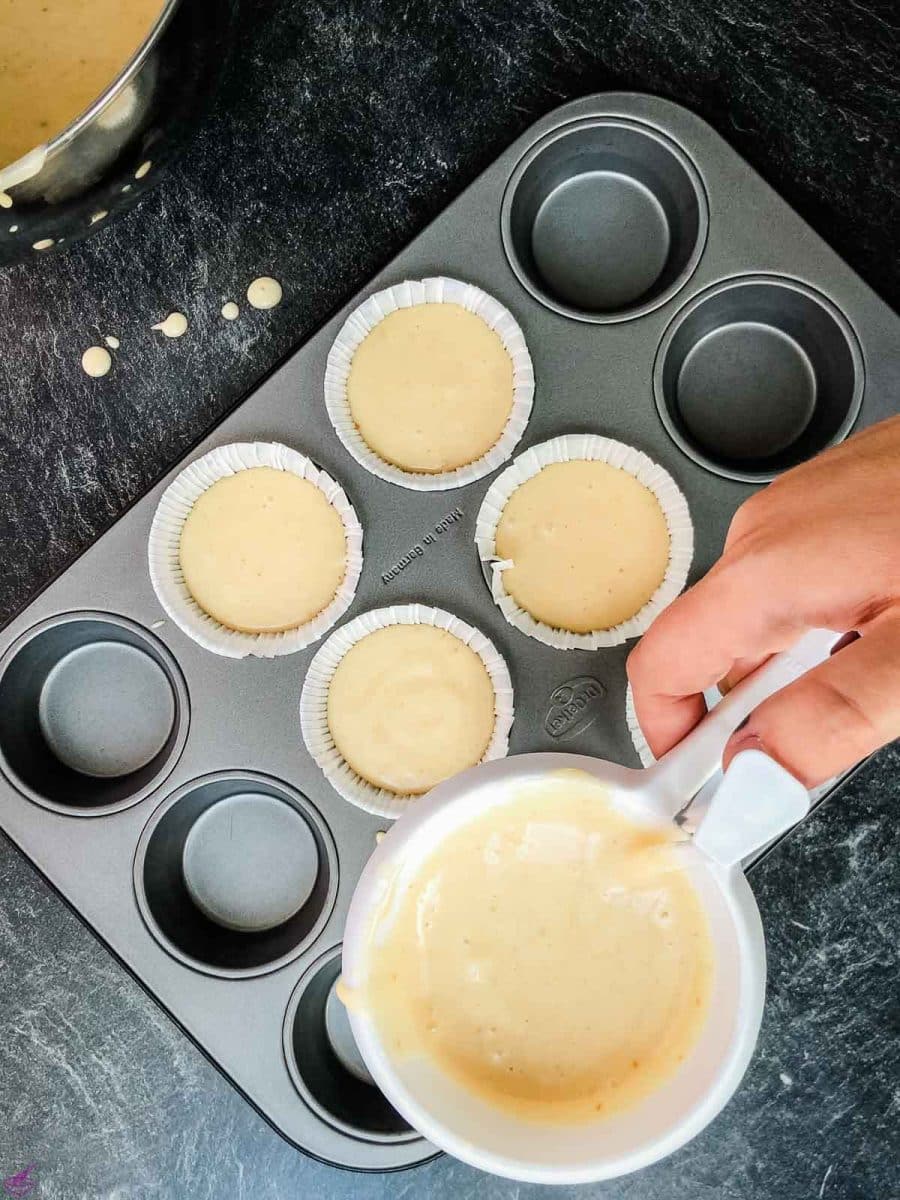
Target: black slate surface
<point x="342" y="129"/>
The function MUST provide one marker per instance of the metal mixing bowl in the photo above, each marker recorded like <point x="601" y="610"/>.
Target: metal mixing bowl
<point x="97" y="166"/>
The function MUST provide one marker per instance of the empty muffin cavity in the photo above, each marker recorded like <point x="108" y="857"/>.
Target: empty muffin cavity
<point x="236" y="874"/>
<point x="756" y="375"/>
<point x="604" y="219"/>
<point x="93" y="713"/>
<point x="325" y="1064"/>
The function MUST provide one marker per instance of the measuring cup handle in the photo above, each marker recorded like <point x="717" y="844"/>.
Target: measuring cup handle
<point x="680" y="774"/>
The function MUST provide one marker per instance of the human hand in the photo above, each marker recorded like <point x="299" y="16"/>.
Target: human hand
<point x="819" y="547"/>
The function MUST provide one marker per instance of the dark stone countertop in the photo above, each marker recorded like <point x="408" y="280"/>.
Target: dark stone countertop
<point x="344" y="126"/>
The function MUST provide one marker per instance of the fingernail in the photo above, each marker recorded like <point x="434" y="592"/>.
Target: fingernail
<point x="746" y="741"/>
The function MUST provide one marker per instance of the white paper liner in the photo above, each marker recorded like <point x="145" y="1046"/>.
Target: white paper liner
<point x="174" y="506"/>
<point x="572" y="448"/>
<point x="642" y="749"/>
<point x="359" y="325"/>
<point x="314" y="699"/>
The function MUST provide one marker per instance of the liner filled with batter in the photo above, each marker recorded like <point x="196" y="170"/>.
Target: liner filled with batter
<point x="429" y="384"/>
<point x="255" y="550"/>
<point x="400" y="699"/>
<point x="585" y="540"/>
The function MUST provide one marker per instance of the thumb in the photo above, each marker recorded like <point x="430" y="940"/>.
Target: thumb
<point x="834" y="715"/>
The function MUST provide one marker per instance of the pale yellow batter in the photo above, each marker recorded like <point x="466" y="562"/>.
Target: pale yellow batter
<point x="263" y="551"/>
<point x="551" y="956"/>
<point x="56" y="57"/>
<point x="174" y="326"/>
<point x="588" y="543"/>
<point x="264" y="292"/>
<point x="431" y="388"/>
<point x="96" y="362"/>
<point x="410" y="705"/>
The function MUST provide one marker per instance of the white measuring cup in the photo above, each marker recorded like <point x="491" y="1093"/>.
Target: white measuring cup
<point x="756" y="801"/>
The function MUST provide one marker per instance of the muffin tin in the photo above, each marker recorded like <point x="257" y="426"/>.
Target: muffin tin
<point x="670" y="300"/>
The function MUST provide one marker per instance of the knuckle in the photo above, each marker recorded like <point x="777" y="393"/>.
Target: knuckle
<point x="749" y="516"/>
<point x="842" y="710"/>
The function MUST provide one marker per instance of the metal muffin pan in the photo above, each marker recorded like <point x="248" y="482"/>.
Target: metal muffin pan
<point x="697" y="318"/>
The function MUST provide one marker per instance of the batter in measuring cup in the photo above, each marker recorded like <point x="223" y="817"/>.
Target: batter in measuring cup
<point x="552" y="956"/>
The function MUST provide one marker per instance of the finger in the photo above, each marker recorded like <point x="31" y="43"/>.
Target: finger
<point x="740" y="669"/>
<point x="834" y="715"/>
<point x="725" y="618"/>
<point x="746" y="666"/>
